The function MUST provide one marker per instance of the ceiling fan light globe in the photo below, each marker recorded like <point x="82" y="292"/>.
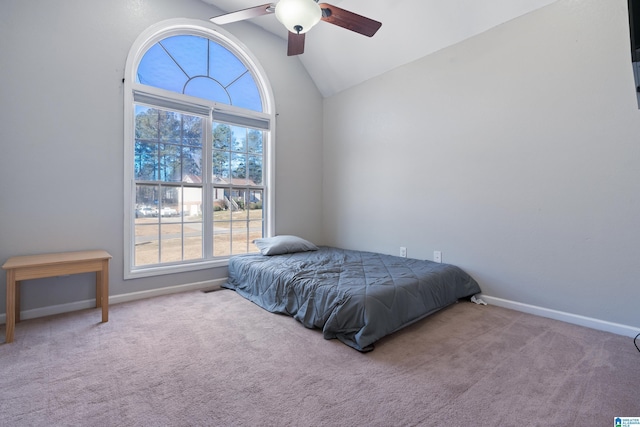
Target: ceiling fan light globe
<point x="298" y="13"/>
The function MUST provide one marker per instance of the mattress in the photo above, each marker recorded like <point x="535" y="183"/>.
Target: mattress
<point x="356" y="297"/>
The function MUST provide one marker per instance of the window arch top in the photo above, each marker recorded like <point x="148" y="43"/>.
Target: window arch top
<point x="200" y="67"/>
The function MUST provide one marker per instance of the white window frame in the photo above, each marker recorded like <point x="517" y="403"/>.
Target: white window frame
<point x="137" y="93"/>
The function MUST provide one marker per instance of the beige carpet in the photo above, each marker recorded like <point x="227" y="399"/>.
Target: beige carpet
<point x="197" y="359"/>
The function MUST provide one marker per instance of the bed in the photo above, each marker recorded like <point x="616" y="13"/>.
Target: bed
<point x="355" y="296"/>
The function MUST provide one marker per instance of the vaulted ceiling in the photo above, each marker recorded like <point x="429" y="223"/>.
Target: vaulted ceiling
<point x="337" y="59"/>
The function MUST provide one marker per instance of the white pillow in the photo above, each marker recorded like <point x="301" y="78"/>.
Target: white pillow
<point x="284" y="244"/>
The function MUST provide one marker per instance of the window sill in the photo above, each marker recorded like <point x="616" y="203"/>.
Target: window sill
<point x="161" y="270"/>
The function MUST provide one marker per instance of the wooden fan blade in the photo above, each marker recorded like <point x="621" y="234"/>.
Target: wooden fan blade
<point x="296" y="44"/>
<point x="241" y="15"/>
<point x="349" y="20"/>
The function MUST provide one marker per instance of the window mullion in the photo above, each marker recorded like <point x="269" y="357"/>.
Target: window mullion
<point x="207" y="190"/>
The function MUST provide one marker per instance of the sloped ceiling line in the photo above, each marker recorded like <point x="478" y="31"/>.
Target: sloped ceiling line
<point x="337" y="59"/>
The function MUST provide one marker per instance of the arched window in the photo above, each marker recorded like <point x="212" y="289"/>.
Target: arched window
<point x="198" y="138"/>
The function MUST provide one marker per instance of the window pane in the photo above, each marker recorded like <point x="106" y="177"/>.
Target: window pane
<point x="169" y="125"/>
<point x="222" y="136"/>
<point x="204" y="87"/>
<point x="192" y="244"/>
<point x="199" y="67"/>
<point x="221" y="238"/>
<point x="146" y="202"/>
<point x="158" y="69"/>
<point x="254" y="169"/>
<point x="225" y="67"/>
<point x="190" y="52"/>
<point x="239" y="139"/>
<point x="169" y="209"/>
<point x="255" y="232"/>
<point x="192" y="204"/>
<point x="192" y="165"/>
<point x="254" y="141"/>
<point x="171" y="244"/>
<point x="240" y="215"/>
<point x="192" y="130"/>
<point x="255" y="204"/>
<point x="192" y="226"/>
<point x="238" y="166"/>
<point x="220" y="202"/>
<point x="171" y="236"/>
<point x="170" y="163"/>
<point x="146" y="244"/>
<point x="221" y="166"/>
<point x="240" y="238"/>
<point x="236" y="205"/>
<point x="146" y="123"/>
<point x="244" y="93"/>
<point x="146" y="161"/>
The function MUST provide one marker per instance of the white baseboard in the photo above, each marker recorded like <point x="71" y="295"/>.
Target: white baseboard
<point x="576" y="319"/>
<point x="115" y="299"/>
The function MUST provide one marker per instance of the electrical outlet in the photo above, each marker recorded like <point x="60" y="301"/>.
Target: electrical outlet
<point x="403" y="252"/>
<point x="437" y="256"/>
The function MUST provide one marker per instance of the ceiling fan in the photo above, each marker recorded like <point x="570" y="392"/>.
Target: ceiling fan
<point x="299" y="16"/>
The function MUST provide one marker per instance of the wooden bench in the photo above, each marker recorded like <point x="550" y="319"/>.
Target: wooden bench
<point x="49" y="265"/>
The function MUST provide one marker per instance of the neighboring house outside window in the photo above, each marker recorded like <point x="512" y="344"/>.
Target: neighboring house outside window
<point x="198" y="156"/>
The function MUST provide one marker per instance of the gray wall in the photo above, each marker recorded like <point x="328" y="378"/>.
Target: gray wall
<point x="516" y="153"/>
<point x="61" y="133"/>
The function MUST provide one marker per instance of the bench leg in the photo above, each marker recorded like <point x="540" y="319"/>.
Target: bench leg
<point x="17" y="301"/>
<point x="104" y="289"/>
<point x="11" y="306"/>
<point x="98" y="289"/>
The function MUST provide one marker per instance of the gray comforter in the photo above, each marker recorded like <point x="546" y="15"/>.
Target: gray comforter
<point x="356" y="297"/>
